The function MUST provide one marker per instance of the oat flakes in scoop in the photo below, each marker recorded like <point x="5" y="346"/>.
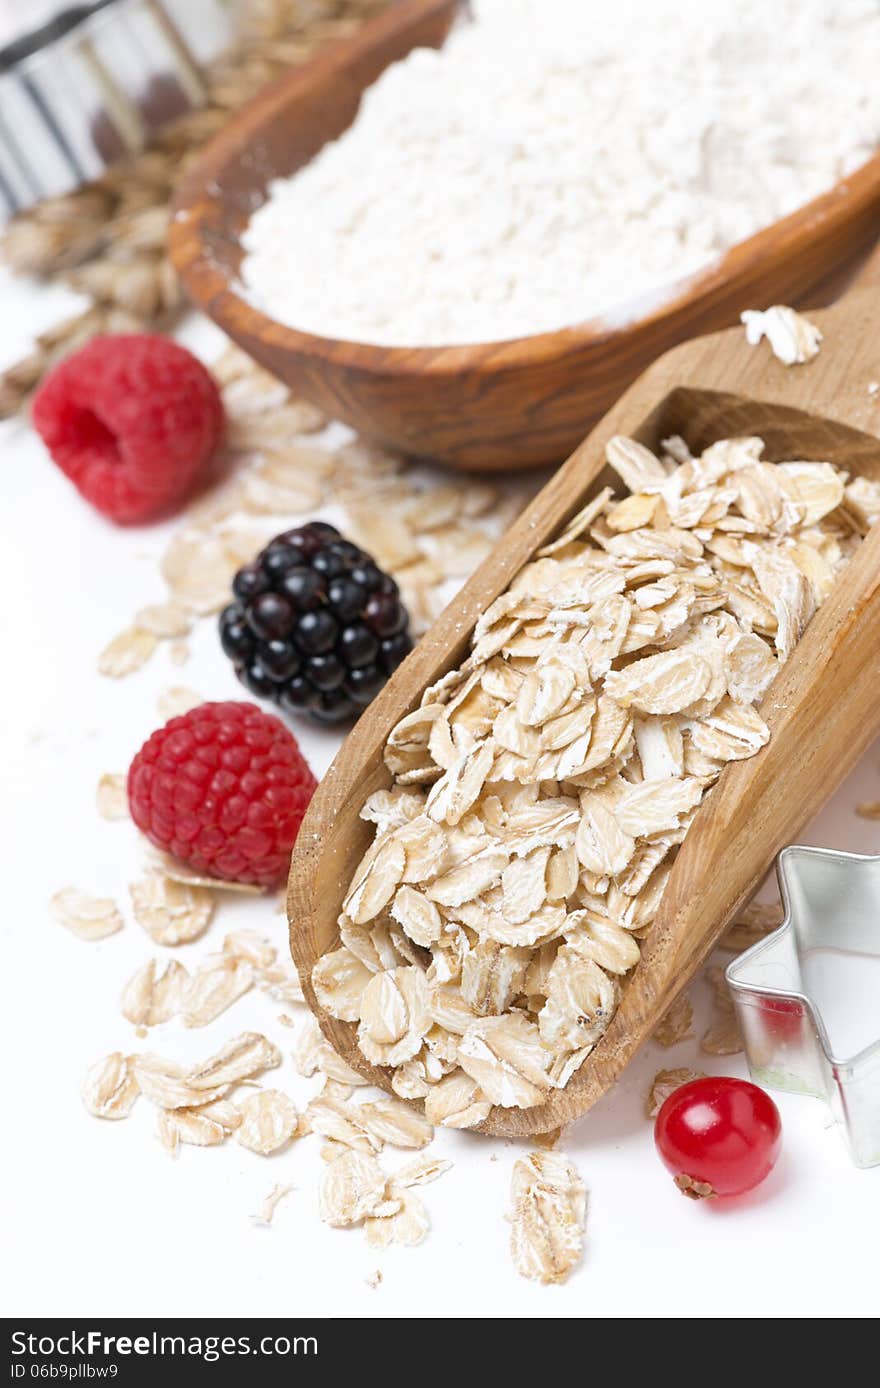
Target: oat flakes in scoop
<point x="541" y="791"/>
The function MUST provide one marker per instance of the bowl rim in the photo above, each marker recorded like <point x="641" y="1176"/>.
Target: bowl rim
<point x="200" y="219"/>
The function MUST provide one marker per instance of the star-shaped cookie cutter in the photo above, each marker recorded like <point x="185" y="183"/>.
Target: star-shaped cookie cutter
<point x="832" y="914"/>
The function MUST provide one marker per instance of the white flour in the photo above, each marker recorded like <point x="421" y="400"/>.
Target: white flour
<point x="559" y="161"/>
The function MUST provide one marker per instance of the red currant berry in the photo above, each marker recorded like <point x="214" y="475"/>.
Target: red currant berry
<point x="718" y="1136"/>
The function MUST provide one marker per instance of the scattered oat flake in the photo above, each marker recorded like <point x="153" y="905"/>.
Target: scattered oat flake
<point x="751" y="925"/>
<point x="269" y="1120"/>
<point x="420" y="1171"/>
<point x="206" y="1126"/>
<point x="404" y="1221"/>
<point x="334" y="1068"/>
<point x="240" y="1059"/>
<point x="395" y="1123"/>
<point x="112" y="796"/>
<point x="664" y="1083"/>
<point x="251" y="946"/>
<point x="723" y="1036"/>
<point x="307" y="1047"/>
<point x="548" y="1213"/>
<point x="275" y="488"/>
<point x="176" y="700"/>
<point x="676" y="1023"/>
<point x="110" y="1088"/>
<point x="152" y="995"/>
<point x="281" y="983"/>
<point x="793" y="338"/>
<point x="339" y="1121"/>
<point x="165" y="620"/>
<point x="869" y="809"/>
<point x="171" y="912"/>
<point x="199" y="569"/>
<point x="216" y="985"/>
<point x="165" y="1084"/>
<point x="127" y="653"/>
<point x="373" y="1279"/>
<point x="270" y="1204"/>
<point x="88" y="917"/>
<point x="353" y="1187"/>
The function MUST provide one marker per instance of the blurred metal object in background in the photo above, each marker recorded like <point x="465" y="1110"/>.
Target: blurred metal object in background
<point x="93" y="84"/>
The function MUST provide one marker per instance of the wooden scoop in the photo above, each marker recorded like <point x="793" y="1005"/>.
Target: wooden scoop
<point x="823" y="708"/>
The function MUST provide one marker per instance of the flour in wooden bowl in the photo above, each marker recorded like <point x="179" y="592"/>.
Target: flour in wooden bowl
<point x="561" y="160"/>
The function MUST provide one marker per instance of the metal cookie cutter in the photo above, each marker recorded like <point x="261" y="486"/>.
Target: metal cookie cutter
<point x="819" y="973"/>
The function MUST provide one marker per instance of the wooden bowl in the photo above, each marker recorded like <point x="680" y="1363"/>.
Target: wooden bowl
<point x="494" y="406"/>
<point x="822" y="709"/>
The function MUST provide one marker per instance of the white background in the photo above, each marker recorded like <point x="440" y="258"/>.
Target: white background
<point x="102" y="1222"/>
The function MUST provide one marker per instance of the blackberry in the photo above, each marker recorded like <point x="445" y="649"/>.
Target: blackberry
<point x="315" y="625"/>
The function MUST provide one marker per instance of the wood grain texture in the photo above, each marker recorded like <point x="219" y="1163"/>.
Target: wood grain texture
<point x="496" y="406"/>
<point x="823" y="709"/>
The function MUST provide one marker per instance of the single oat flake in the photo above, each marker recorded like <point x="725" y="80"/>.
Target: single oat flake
<point x="110" y="1088"/>
<point x="548" y="1212"/>
<point x="153" y="993"/>
<point x="216" y="985"/>
<point x="664" y="1083"/>
<point x="207" y="1126"/>
<point x="165" y="620"/>
<point x="751" y="925"/>
<point x="676" y="1024"/>
<point x="793" y="338"/>
<point x="88" y="917"/>
<point x="395" y="1123"/>
<point x="177" y="700"/>
<point x="112" y="797"/>
<point x="268" y="1121"/>
<point x="172" y="913"/>
<point x="404" y="1220"/>
<point x="240" y="1059"/>
<point x="127" y="653"/>
<point x="353" y="1188"/>
<point x="199" y="568"/>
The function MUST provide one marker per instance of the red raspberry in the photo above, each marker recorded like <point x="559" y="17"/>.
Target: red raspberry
<point x="224" y="788"/>
<point x="130" y="420"/>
